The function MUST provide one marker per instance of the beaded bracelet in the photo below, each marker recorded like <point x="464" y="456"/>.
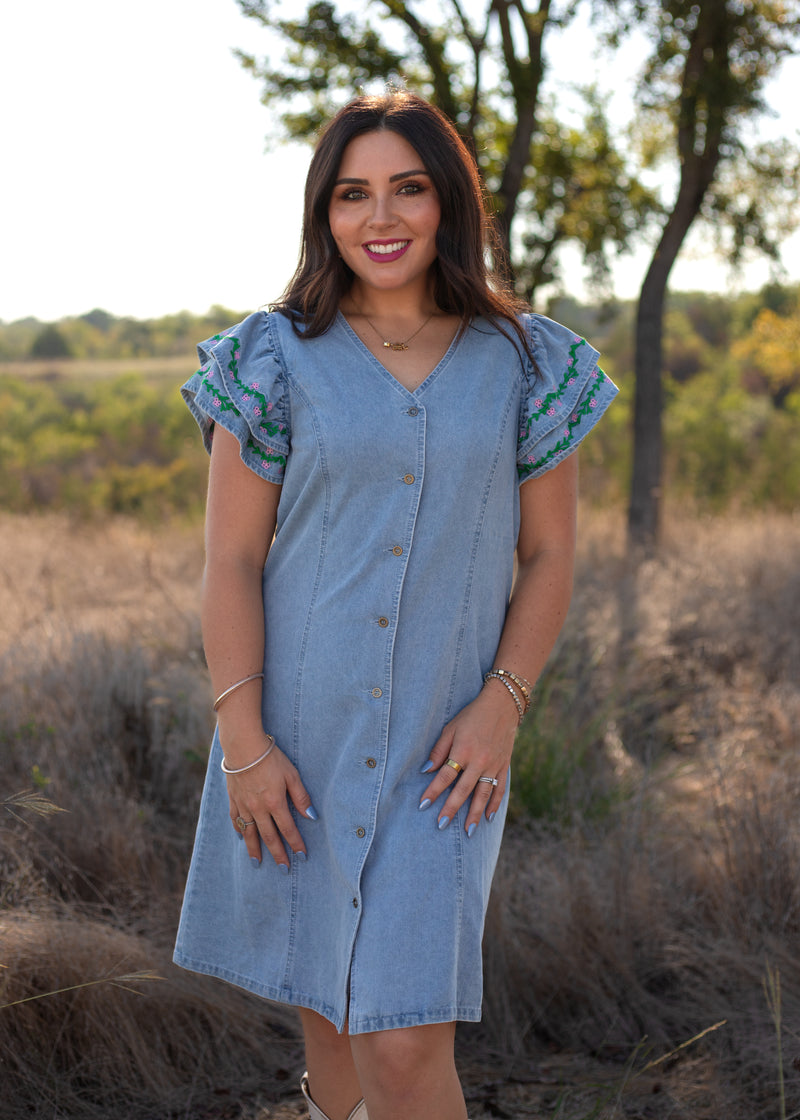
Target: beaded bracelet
<point x="241" y="769"/>
<point x="233" y="687"/>
<point x="525" y="687"/>
<point x="494" y="675"/>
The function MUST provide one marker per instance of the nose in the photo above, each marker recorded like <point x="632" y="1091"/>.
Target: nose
<point x="382" y="215"/>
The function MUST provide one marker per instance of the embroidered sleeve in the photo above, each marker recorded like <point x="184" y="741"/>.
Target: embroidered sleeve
<point x="241" y="386"/>
<point x="563" y="403"/>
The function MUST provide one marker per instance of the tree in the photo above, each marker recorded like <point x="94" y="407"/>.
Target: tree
<point x="50" y="343"/>
<point x="707" y="72"/>
<point x="770" y="354"/>
<point x="483" y="65"/>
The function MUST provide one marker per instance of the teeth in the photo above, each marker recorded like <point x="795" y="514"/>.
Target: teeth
<point x="392" y="248"/>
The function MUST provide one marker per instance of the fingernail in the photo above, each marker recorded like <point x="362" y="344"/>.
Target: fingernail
<point x="284" y="867"/>
<point x="311" y="813"/>
<point x="492" y="815"/>
<point x="471" y="828"/>
<point x="300" y="855"/>
<point x="425" y="803"/>
<point x="426" y="769"/>
<point x="255" y="862"/>
<point x="443" y="822"/>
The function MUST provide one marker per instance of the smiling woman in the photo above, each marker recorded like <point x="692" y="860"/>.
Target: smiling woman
<point x="383" y="444"/>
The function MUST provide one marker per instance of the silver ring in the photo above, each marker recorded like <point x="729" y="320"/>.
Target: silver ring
<point x="486" y="778"/>
<point x="242" y="824"/>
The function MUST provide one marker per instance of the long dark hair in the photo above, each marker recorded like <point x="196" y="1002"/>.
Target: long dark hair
<point x="464" y="284"/>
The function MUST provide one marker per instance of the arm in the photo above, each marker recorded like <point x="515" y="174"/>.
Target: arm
<point x="240" y="523"/>
<point x="481" y="736"/>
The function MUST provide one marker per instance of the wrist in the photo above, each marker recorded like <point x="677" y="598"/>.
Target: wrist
<point x="517" y="688"/>
<point x="502" y="701"/>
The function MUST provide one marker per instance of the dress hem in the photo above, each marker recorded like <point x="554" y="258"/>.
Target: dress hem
<point x="364" y="1025"/>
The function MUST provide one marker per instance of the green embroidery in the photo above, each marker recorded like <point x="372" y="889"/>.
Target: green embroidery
<point x="586" y="407"/>
<point x="223" y="403"/>
<point x="545" y="405"/>
<point x="270" y="457"/>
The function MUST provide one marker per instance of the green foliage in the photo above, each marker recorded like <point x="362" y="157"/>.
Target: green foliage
<point x="559" y="770"/>
<point x="98" y="334"/>
<point x="114" y="445"/>
<point x="50" y="343"/>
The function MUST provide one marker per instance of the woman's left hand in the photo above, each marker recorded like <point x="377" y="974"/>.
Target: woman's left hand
<point x="479" y="740"/>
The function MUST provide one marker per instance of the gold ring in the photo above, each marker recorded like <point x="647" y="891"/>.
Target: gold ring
<point x="456" y="765"/>
<point x="242" y="824"/>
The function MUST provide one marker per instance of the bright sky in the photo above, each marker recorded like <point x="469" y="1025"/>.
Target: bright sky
<point x="135" y="176"/>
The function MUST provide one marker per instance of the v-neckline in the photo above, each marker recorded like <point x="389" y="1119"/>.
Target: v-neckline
<point x="454" y="342"/>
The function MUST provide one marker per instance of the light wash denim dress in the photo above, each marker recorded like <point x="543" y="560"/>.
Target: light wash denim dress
<point x="385" y="592"/>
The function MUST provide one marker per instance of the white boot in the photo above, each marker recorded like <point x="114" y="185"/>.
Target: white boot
<point x="316" y="1113"/>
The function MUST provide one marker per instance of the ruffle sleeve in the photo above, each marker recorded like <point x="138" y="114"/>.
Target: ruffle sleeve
<point x="562" y="401"/>
<point x="241" y="385"/>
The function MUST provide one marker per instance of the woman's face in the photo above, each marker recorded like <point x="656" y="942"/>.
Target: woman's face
<point x="384" y="212"/>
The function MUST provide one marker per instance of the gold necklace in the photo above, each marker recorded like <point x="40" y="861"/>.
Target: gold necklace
<point x="397" y="346"/>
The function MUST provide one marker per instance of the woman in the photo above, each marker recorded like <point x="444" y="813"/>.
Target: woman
<point x="384" y="442"/>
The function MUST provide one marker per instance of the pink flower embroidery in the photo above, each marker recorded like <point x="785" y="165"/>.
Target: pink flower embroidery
<point x="538" y="402"/>
<point x="236" y="354"/>
<point x="566" y="431"/>
<point x="254" y="385"/>
<point x="217" y="402"/>
<point x="593" y="403"/>
<point x="257" y="411"/>
<point x="571" y="381"/>
<point x="574" y="418"/>
<point x="269" y="406"/>
<point x="531" y="459"/>
<point x="551" y="411"/>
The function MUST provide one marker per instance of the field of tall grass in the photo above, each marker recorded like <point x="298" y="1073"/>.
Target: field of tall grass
<point x="641" y="953"/>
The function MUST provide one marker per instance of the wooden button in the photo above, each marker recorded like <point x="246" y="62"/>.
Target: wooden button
<point x="408" y="479"/>
<point x="397" y="550"/>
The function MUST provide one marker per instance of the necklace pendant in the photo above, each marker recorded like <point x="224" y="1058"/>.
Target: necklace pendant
<point x="396" y="346"/>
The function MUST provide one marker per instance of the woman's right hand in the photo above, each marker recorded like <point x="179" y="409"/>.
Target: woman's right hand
<point x="261" y="795"/>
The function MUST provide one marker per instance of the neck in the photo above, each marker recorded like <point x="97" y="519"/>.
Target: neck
<point x="398" y="306"/>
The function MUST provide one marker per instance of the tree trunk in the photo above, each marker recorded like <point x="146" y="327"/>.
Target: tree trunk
<point x="702" y="114"/>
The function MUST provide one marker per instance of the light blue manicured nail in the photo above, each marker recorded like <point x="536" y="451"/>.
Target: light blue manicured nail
<point x="284" y="867"/>
<point x="425" y="803"/>
<point x="255" y="862"/>
<point x="443" y="822"/>
<point x="426" y="769"/>
<point x="492" y="815"/>
<point x="471" y="828"/>
<point x="301" y="856"/>
<point x="311" y="813"/>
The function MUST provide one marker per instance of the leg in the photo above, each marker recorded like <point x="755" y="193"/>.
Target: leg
<point x="410" y="1073"/>
<point x="332" y="1078"/>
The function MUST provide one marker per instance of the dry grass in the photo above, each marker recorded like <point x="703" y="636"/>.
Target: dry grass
<point x="612" y="940"/>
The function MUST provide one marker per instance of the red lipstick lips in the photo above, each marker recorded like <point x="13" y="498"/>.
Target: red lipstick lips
<point x="387" y="253"/>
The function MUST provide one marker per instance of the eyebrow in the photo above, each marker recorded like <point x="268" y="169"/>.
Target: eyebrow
<point x="392" y="178"/>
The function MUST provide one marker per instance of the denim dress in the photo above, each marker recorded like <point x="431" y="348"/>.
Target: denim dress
<point x="385" y="591"/>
